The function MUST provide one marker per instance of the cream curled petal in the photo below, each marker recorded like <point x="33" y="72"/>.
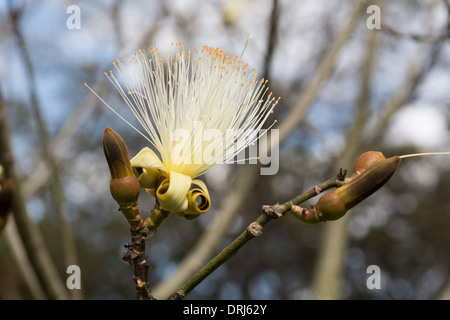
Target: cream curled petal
<point x="148" y="178"/>
<point x="151" y="167"/>
<point x="198" y="200"/>
<point x="172" y="192"/>
<point x="151" y="191"/>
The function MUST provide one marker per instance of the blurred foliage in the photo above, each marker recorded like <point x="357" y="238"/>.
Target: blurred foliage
<point x="404" y="228"/>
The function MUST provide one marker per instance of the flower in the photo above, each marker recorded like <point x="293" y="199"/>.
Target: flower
<point x="199" y="109"/>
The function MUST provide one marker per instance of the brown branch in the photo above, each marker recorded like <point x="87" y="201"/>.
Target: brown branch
<point x="125" y="189"/>
<point x="134" y="252"/>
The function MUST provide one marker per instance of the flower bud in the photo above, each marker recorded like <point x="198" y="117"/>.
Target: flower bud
<point x="124" y="185"/>
<point x="334" y="204"/>
<point x="330" y="206"/>
<point x="125" y="190"/>
<point x="366" y="160"/>
<point x="116" y="154"/>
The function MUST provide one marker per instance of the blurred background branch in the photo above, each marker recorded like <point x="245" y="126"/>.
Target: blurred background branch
<point x="56" y="187"/>
<point x="329" y="271"/>
<point x="34" y="245"/>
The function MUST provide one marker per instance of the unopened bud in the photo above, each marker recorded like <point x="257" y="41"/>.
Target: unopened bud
<point x="330" y="206"/>
<point x="366" y="160"/>
<point x="124" y="185"/>
<point x="116" y="154"/>
<point x="125" y="190"/>
<point x="370" y="172"/>
<point x="334" y="204"/>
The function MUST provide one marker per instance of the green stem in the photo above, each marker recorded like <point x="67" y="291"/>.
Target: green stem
<point x="156" y="217"/>
<point x="278" y="210"/>
<point x="252" y="231"/>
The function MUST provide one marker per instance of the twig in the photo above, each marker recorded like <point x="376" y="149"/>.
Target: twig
<point x="134" y="252"/>
<point x="125" y="189"/>
<point x="278" y="210"/>
<point x="246" y="178"/>
<point x="253" y="230"/>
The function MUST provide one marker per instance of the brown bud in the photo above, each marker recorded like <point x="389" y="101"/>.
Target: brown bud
<point x="366" y="160"/>
<point x="334" y="204"/>
<point x="124" y="184"/>
<point x="330" y="206"/>
<point x="125" y="190"/>
<point x="116" y="154"/>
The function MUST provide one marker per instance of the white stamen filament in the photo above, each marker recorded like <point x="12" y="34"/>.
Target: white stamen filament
<point x="189" y="88"/>
<point x="424" y="154"/>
